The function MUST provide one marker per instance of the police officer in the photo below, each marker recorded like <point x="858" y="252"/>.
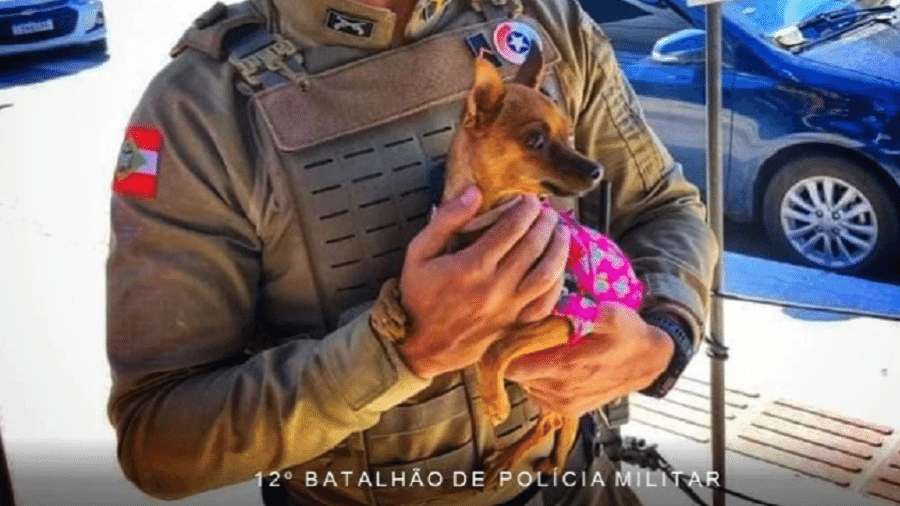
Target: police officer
<point x="271" y="179"/>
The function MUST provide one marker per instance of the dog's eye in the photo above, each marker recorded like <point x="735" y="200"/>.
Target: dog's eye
<point x="535" y="140"/>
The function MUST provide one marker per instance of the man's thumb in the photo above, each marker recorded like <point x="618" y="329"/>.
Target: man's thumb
<point x="447" y="219"/>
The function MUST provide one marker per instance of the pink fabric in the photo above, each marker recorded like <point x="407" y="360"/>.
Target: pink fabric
<point x="597" y="271"/>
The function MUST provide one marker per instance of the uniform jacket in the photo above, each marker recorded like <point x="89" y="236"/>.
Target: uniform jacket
<point x="220" y="370"/>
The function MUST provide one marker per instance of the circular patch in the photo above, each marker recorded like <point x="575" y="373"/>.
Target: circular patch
<point x="514" y="39"/>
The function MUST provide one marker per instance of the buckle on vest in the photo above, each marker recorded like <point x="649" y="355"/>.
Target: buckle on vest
<point x="616" y="413"/>
<point x="272" y="58"/>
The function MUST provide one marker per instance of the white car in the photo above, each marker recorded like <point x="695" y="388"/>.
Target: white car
<point x="37" y="25"/>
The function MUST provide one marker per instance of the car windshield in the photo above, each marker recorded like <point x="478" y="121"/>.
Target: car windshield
<point x="769" y="17"/>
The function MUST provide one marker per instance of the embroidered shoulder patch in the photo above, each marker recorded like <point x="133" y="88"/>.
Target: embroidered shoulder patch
<point x="138" y="164"/>
<point x="513" y="40"/>
<point x="349" y="24"/>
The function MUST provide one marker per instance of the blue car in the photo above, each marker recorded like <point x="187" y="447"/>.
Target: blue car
<point x="811" y="96"/>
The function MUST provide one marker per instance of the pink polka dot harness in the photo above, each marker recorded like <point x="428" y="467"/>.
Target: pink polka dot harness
<point x="597" y="271"/>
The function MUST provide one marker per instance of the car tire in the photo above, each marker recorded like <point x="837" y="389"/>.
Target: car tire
<point x="829" y="212"/>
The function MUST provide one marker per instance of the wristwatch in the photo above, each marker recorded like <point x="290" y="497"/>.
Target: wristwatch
<point x="684" y="351"/>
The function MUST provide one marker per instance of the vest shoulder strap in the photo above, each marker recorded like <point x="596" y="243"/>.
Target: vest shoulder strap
<point x="209" y="32"/>
<point x="266" y="59"/>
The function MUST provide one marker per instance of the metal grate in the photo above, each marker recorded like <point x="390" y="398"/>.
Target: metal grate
<point x="812" y="441"/>
<point x="843" y="450"/>
<point x="685" y="410"/>
<point x="885" y="481"/>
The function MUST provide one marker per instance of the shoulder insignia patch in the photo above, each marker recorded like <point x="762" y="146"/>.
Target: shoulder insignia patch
<point x="513" y="40"/>
<point x="138" y="163"/>
<point x="349" y="24"/>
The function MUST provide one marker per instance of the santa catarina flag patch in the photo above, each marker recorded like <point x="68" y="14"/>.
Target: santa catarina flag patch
<point x="138" y="163"/>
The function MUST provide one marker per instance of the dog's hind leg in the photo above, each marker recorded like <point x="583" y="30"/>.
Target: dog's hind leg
<point x="531" y="338"/>
<point x="506" y="459"/>
<point x="564" y="441"/>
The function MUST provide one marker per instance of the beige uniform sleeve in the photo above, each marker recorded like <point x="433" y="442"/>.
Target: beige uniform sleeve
<point x="657" y="216"/>
<point x="192" y="411"/>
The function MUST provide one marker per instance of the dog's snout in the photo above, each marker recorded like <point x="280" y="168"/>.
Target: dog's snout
<point x="588" y="168"/>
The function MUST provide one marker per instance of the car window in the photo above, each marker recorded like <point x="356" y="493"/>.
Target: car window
<point x="639" y="32"/>
<point x="634" y="26"/>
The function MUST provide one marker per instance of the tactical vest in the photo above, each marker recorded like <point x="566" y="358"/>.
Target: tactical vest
<point x="353" y="139"/>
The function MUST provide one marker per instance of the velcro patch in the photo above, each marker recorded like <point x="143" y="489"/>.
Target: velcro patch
<point x="480" y="46"/>
<point x="349" y="24"/>
<point x="136" y="169"/>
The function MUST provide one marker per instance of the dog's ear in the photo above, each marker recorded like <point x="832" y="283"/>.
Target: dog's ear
<point x="485" y="97"/>
<point x="531" y="72"/>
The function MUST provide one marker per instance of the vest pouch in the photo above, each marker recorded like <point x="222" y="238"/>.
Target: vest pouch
<point x="429" y="433"/>
<point x="434" y="422"/>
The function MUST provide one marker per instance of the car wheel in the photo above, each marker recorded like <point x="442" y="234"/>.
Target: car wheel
<point x="830" y="213"/>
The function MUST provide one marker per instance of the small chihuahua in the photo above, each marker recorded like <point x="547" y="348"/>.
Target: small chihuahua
<point x="514" y="140"/>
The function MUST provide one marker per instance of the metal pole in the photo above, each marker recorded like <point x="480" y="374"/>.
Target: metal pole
<point x="716" y="203"/>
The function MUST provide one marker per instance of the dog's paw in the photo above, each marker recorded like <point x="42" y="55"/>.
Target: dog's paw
<point x="497" y="411"/>
<point x="548" y="466"/>
<point x="388" y="318"/>
<point x="495" y="463"/>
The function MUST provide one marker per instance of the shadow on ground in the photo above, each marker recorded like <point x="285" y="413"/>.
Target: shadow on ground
<point x="37" y="67"/>
<point x="751" y="240"/>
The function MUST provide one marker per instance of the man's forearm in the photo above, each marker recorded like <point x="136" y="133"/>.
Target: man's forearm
<point x="672" y="249"/>
<point x="186" y="433"/>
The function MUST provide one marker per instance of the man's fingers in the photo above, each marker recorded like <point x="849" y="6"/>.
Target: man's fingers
<point x="498" y="240"/>
<point x="535" y="365"/>
<point x="529" y="249"/>
<point x="447" y="219"/>
<point x="542" y="307"/>
<point x="575" y="402"/>
<point x="548" y="271"/>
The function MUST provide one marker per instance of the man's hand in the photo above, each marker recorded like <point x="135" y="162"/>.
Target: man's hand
<point x="624" y="354"/>
<point x="460" y="303"/>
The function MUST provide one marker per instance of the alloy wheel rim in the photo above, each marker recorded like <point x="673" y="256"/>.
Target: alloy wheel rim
<point x="829" y="221"/>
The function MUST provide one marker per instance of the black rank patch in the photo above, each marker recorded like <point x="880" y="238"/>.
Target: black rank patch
<point x="349" y="24"/>
<point x="479" y="44"/>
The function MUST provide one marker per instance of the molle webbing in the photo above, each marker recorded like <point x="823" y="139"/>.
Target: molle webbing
<point x="362" y="192"/>
<point x="377" y="90"/>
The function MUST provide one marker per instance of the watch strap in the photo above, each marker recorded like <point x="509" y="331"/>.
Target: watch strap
<point x="684" y="351"/>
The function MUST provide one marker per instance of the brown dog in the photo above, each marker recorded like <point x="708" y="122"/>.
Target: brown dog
<point x="512" y="140"/>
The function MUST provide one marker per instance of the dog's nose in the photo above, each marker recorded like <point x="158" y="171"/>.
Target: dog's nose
<point x="596" y="174"/>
